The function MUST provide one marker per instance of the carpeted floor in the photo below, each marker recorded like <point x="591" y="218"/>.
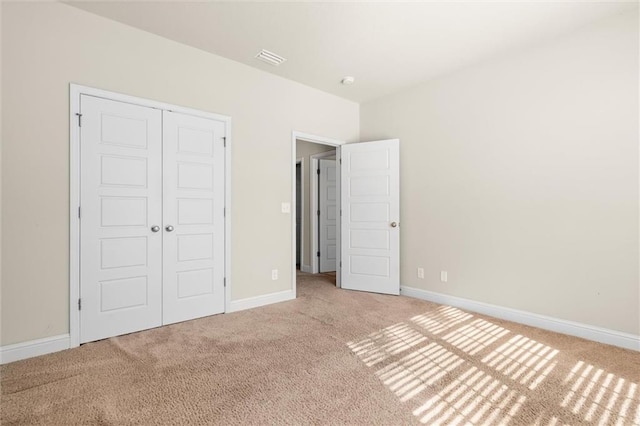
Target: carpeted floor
<point x="330" y="357"/>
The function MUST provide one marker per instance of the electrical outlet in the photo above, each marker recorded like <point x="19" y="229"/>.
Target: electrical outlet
<point x="274" y="274"/>
<point x="421" y="273"/>
<point x="286" y="207"/>
<point x="444" y="276"/>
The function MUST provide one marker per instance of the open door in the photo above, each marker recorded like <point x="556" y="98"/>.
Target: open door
<point x="370" y="203"/>
<point x="327" y="205"/>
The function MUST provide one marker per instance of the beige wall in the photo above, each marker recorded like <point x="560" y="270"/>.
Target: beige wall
<point x="305" y="150"/>
<point x="520" y="178"/>
<point x="45" y="46"/>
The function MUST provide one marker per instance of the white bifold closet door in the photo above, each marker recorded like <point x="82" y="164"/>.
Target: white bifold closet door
<point x="194" y="207"/>
<point x="152" y="217"/>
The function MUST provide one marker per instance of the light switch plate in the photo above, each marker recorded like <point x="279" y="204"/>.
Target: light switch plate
<point x="286" y="207"/>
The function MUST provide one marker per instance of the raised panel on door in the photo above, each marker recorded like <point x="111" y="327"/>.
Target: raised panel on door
<point x="121" y="199"/>
<point x="370" y="197"/>
<point x="328" y="215"/>
<point x="194" y="208"/>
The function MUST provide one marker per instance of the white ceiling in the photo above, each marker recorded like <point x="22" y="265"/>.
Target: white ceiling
<point x="386" y="46"/>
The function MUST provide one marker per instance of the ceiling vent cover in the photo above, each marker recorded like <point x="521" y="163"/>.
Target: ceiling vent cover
<point x="270" y="58"/>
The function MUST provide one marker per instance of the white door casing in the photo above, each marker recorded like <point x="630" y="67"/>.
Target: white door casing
<point x="121" y="199"/>
<point x="193" y="213"/>
<point x="328" y="204"/>
<point x="370" y="203"/>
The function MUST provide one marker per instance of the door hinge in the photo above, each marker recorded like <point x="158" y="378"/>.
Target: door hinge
<point x="224" y="212"/>
<point x="79" y="119"/>
<point x="318" y="254"/>
<point x="341" y="161"/>
<point x="318" y="212"/>
<point x="78" y="212"/>
<point x="318" y="172"/>
<point x="79" y="304"/>
<point x="340" y="212"/>
<point x="341" y="263"/>
<point x="224" y="280"/>
<point x="224" y="141"/>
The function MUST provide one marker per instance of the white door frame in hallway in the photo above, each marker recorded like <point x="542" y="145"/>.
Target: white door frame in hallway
<point x="306" y="137"/>
<point x="300" y="161"/>
<point x="75" y="92"/>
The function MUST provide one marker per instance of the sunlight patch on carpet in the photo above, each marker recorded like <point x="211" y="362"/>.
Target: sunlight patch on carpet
<point x="442" y="319"/>
<point x="451" y="367"/>
<point x="476" y="336"/>
<point x="413" y="373"/>
<point x="601" y="397"/>
<point x="425" y="363"/>
<point x="474" y="397"/>
<point x="523" y="360"/>
<point x="387" y="342"/>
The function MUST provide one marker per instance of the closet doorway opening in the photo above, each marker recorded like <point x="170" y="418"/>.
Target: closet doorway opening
<point x="149" y="230"/>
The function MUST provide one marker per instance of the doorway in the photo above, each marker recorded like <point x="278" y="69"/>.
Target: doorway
<point x="368" y="201"/>
<point x="307" y="150"/>
<point x="309" y="194"/>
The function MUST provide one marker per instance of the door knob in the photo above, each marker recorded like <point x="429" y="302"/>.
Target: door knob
<point x="169" y="228"/>
<point x="155" y="228"/>
<point x="393" y="224"/>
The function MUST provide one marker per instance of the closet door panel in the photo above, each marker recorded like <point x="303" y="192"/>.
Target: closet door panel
<point x="193" y="211"/>
<point x="120" y="200"/>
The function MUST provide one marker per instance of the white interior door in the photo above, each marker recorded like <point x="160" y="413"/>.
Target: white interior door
<point x="370" y="202"/>
<point x="193" y="217"/>
<point x="328" y="215"/>
<point x="121" y="200"/>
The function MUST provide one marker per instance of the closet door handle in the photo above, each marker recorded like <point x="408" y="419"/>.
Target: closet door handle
<point x="169" y="228"/>
<point x="155" y="228"/>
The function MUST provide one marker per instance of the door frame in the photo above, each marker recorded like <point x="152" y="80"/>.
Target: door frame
<point x="307" y="137"/>
<point x="314" y="187"/>
<point x="75" y="91"/>
<point x="302" y="209"/>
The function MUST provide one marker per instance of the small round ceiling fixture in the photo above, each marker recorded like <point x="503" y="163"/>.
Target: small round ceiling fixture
<point x="348" y="80"/>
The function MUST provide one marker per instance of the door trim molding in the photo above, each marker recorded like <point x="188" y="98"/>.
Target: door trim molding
<point x="306" y="137"/>
<point x="302" y="209"/>
<point x="75" y="91"/>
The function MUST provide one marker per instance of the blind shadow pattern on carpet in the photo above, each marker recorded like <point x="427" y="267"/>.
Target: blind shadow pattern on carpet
<point x="450" y="367"/>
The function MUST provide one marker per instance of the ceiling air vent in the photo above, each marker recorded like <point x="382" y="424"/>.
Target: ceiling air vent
<point x="270" y="58"/>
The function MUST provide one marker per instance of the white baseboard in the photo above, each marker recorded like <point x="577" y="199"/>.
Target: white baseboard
<point x="47" y="345"/>
<point x="306" y="268"/>
<point x="267" y="299"/>
<point x="24" y="350"/>
<point x="590" y="332"/>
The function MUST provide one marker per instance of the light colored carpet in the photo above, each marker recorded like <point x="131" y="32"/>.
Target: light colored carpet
<point x="330" y="357"/>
